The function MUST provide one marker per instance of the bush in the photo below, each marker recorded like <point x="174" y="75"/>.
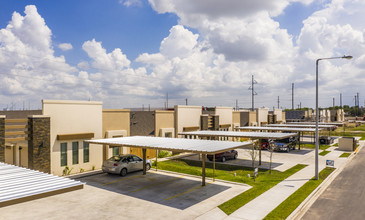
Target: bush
<point x="164" y="153"/>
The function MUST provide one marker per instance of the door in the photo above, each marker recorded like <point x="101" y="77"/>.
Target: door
<point x="138" y="163"/>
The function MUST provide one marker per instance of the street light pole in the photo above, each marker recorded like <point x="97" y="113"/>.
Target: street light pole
<point x="317" y="115"/>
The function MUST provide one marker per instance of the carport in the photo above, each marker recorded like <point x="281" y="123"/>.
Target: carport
<point x="203" y="147"/>
<point x="238" y="134"/>
<point x="283" y="129"/>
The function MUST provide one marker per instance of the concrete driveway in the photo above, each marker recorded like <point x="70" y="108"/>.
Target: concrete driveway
<point x="157" y="195"/>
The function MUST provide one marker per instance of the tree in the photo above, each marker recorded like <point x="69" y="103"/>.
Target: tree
<point x="253" y="154"/>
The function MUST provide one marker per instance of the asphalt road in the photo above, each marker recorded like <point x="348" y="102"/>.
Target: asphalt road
<point x="345" y="196"/>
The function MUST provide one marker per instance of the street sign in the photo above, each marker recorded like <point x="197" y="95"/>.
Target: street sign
<point x="330" y="163"/>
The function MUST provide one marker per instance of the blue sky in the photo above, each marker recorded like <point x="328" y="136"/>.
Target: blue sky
<point x="136" y="51"/>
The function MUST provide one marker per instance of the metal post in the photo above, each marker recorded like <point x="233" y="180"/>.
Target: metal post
<point x="144" y="160"/>
<point x="213" y="167"/>
<point x="156" y="158"/>
<point x="317" y="118"/>
<point x="203" y="169"/>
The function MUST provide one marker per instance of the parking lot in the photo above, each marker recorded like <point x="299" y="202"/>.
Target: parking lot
<point x="157" y="195"/>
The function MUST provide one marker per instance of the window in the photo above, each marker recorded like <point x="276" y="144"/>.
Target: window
<point x="86" y="152"/>
<point x="115" y="151"/>
<point x="75" y="152"/>
<point x="63" y="154"/>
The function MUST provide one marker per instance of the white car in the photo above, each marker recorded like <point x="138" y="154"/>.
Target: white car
<point x="123" y="164"/>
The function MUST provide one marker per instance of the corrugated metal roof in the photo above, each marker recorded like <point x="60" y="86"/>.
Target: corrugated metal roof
<point x="173" y="144"/>
<point x="300" y="126"/>
<point x="313" y="123"/>
<point x="279" y="129"/>
<point x="18" y="184"/>
<point x="269" y="135"/>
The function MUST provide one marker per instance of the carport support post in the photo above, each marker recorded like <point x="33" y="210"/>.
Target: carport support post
<point x="144" y="160"/>
<point x="259" y="152"/>
<point x="203" y="169"/>
<point x="299" y="139"/>
<point x="213" y="167"/>
<point x="156" y="158"/>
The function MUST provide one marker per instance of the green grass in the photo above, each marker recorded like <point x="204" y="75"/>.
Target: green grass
<point x="312" y="146"/>
<point x="263" y="183"/>
<point x="345" y="155"/>
<point x="362" y="138"/>
<point x="323" y="153"/>
<point x="335" y="145"/>
<point x="293" y="201"/>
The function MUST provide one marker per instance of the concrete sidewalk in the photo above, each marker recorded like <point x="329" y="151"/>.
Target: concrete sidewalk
<point x="268" y="201"/>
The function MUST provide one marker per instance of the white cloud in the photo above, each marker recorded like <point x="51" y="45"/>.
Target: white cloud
<point x="65" y="46"/>
<point x="129" y="3"/>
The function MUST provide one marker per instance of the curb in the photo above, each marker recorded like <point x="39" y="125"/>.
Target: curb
<point x="299" y="212"/>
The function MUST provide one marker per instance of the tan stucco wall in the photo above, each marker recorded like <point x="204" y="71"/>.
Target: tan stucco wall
<point x="71" y="117"/>
<point x="283" y="117"/>
<point x="225" y="115"/>
<point x="186" y="116"/>
<point x="261" y="115"/>
<point x="164" y="120"/>
<point x="116" y="119"/>
<point x="279" y="114"/>
<point x="236" y="117"/>
<point x="116" y="122"/>
<point x="252" y="118"/>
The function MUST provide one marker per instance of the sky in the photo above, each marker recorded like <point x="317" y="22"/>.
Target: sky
<point x="134" y="53"/>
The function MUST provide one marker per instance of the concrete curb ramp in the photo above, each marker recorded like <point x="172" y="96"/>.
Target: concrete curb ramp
<point x="19" y="184"/>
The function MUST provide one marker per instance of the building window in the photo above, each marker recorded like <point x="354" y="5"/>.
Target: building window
<point x="86" y="152"/>
<point x="75" y="152"/>
<point x="63" y="154"/>
<point x="115" y="151"/>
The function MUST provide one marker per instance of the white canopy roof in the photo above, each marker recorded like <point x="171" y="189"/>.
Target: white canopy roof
<point x="18" y="184"/>
<point x="279" y="129"/>
<point x="300" y="126"/>
<point x="173" y="144"/>
<point x="313" y="123"/>
<point x="258" y="135"/>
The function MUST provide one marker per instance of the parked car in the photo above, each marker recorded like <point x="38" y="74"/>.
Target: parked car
<point x="232" y="154"/>
<point x="265" y="144"/>
<point x="325" y="140"/>
<point x="123" y="164"/>
<point x="285" y="144"/>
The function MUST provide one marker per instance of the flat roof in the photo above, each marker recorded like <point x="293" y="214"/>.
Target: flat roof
<point x="173" y="144"/>
<point x="259" y="135"/>
<point x="279" y="129"/>
<point x="313" y="123"/>
<point x="300" y="126"/>
<point x="20" y="184"/>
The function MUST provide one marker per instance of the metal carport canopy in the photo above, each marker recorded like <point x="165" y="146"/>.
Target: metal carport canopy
<point x="293" y="129"/>
<point x="257" y="135"/>
<point x="173" y="144"/>
<point x="301" y="126"/>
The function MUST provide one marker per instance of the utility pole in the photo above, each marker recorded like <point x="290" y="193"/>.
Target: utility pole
<point x="300" y="104"/>
<point x="278" y="102"/>
<point x="186" y="101"/>
<point x="292" y="96"/>
<point x="236" y="104"/>
<point x="253" y="93"/>
<point x="167" y="100"/>
<point x="341" y="100"/>
<point x="333" y="104"/>
<point x="149" y="107"/>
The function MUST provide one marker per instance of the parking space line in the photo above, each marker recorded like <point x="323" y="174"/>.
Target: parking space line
<point x="123" y="178"/>
<point x="190" y="190"/>
<point x="136" y="190"/>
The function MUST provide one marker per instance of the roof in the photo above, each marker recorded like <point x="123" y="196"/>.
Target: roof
<point x="173" y="144"/>
<point x="279" y="129"/>
<point x="257" y="135"/>
<point x="313" y="123"/>
<point x="20" y="184"/>
<point x="300" y="126"/>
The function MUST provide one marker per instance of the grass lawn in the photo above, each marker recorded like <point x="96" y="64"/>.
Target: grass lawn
<point x="293" y="201"/>
<point x="312" y="146"/>
<point x="264" y="180"/>
<point x="345" y="155"/>
<point x="324" y="152"/>
<point x="362" y="138"/>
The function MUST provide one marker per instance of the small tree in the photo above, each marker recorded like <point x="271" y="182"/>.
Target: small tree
<point x="271" y="149"/>
<point x="253" y="154"/>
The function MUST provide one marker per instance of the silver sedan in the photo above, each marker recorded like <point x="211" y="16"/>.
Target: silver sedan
<point x="123" y="164"/>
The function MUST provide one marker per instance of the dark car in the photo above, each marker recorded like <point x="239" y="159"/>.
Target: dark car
<point x="285" y="144"/>
<point x="325" y="140"/>
<point x="232" y="154"/>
